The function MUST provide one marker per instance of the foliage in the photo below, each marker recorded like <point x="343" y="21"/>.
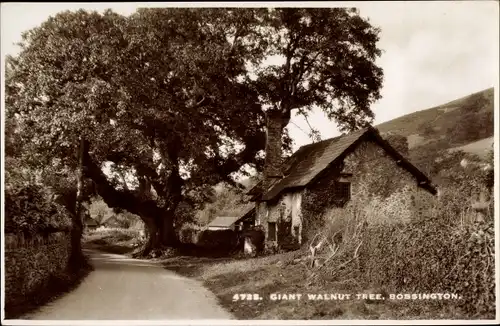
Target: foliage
<point x="99" y="211"/>
<point x="36" y="275"/>
<point x="426" y="129"/>
<point x="461" y="169"/>
<point x="323" y="57"/>
<point x="112" y="235"/>
<point x="103" y="215"/>
<point x="429" y="256"/>
<point x="168" y="128"/>
<point x="473" y="273"/>
<point x="287" y="242"/>
<point x="188" y="114"/>
<point x="400" y="143"/>
<point x="190" y="233"/>
<point x="30" y="209"/>
<point x="328" y="61"/>
<point x="479" y="122"/>
<point x="441" y="250"/>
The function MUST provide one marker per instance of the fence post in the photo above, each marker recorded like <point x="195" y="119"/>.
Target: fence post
<point x="480" y="207"/>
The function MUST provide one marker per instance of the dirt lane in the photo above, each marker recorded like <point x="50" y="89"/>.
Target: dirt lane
<point x="125" y="288"/>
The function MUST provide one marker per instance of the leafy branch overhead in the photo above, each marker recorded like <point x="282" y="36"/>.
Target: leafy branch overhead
<point x="327" y="60"/>
<point x="172" y="101"/>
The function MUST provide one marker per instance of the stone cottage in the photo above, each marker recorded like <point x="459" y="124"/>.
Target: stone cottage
<point x="327" y="175"/>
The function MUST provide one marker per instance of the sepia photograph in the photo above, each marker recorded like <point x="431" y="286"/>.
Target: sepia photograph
<point x="241" y="163"/>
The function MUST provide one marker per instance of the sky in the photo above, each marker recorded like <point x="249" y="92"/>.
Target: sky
<point x="433" y="52"/>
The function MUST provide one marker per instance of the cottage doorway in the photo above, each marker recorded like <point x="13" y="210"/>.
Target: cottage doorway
<point x="287" y="240"/>
<point x="284" y="230"/>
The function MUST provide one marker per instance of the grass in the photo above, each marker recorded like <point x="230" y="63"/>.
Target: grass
<point x="440" y="117"/>
<point x="112" y="240"/>
<point x="479" y="148"/>
<point x="286" y="274"/>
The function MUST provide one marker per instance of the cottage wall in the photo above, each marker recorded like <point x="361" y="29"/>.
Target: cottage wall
<point x="375" y="176"/>
<point x="285" y="210"/>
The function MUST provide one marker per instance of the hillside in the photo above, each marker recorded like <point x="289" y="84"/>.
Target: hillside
<point x="464" y="124"/>
<point x="438" y="120"/>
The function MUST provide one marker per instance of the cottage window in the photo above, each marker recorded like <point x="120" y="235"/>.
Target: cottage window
<point x="342" y="192"/>
<point x="271" y="231"/>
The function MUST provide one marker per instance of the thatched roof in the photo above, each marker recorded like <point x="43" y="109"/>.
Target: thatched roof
<point x="309" y="161"/>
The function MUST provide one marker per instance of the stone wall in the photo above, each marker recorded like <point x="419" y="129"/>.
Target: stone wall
<point x="30" y="263"/>
<point x="376" y="178"/>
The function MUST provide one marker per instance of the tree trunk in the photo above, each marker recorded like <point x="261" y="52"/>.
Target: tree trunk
<point x="168" y="237"/>
<point x="152" y="242"/>
<point x="76" y="260"/>
<point x="160" y="233"/>
<point x="173" y="197"/>
<point x="160" y="225"/>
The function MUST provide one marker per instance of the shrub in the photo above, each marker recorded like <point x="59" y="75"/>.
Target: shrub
<point x="441" y="250"/>
<point x="29" y="208"/>
<point x="190" y="233"/>
<point x="289" y="243"/>
<point x="219" y="239"/>
<point x="430" y="256"/>
<point x="113" y="235"/>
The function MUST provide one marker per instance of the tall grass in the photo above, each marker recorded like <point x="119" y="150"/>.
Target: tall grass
<point x="442" y="249"/>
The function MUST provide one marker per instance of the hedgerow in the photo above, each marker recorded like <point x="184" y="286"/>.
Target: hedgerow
<point x="29" y="208"/>
<point x="431" y="257"/>
<point x="442" y="249"/>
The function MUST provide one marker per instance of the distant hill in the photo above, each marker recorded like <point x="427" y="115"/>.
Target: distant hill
<point x="436" y="121"/>
<point x="464" y="124"/>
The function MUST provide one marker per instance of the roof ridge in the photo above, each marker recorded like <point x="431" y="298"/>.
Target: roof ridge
<point x="321" y="141"/>
<point x="336" y="137"/>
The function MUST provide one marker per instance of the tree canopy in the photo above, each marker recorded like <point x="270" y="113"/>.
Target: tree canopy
<point x="156" y="96"/>
<point x="175" y="100"/>
<point x="327" y="61"/>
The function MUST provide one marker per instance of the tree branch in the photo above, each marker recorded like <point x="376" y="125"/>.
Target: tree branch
<point x="118" y="198"/>
<point x="122" y="176"/>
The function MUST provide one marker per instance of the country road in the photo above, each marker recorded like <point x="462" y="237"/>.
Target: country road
<point x="124" y="288"/>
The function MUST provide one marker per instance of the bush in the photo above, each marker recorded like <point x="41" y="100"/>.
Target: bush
<point x="219" y="239"/>
<point x="440" y="250"/>
<point x="430" y="256"/>
<point x="121" y="234"/>
<point x="190" y="233"/>
<point x="29" y="209"/>
<point x="58" y="283"/>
